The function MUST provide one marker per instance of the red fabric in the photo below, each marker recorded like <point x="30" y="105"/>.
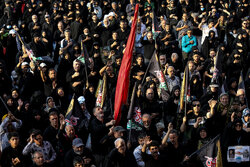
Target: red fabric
<point x="4" y="50"/>
<point x="122" y="86"/>
<point x="22" y="8"/>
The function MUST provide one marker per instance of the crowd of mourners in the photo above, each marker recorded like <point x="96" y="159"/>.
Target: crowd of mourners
<point x="209" y="37"/>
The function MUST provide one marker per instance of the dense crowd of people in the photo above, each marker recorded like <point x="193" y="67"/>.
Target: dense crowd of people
<point x="40" y="71"/>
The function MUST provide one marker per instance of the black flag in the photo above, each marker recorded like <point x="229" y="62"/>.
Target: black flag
<point x="155" y="70"/>
<point x="74" y="115"/>
<point x="210" y="154"/>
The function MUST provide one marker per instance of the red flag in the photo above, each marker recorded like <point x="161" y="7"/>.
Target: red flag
<point x="122" y="85"/>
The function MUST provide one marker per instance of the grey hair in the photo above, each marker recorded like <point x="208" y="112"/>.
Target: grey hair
<point x="174" y="55"/>
<point x="117" y="140"/>
<point x="160" y="125"/>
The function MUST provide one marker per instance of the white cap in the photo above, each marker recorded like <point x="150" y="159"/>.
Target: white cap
<point x="111" y="14"/>
<point x="43" y="65"/>
<point x="24" y="64"/>
<point x="12" y="31"/>
<point x="81" y="99"/>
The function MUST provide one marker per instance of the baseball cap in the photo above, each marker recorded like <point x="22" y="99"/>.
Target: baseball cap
<point x="77" y="142"/>
<point x="81" y="99"/>
<point x="24" y="64"/>
<point x="119" y="128"/>
<point x="246" y="112"/>
<point x="43" y="65"/>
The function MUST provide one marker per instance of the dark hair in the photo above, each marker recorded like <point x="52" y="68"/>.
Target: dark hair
<point x="153" y="143"/>
<point x="53" y="113"/>
<point x="37" y="132"/>
<point x="12" y="134"/>
<point x="141" y="136"/>
<point x="173" y="131"/>
<point x="77" y="160"/>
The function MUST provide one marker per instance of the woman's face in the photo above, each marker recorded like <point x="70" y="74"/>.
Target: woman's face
<point x="51" y="103"/>
<point x="234" y="84"/>
<point x="177" y="92"/>
<point x="27" y="106"/>
<point x="203" y="134"/>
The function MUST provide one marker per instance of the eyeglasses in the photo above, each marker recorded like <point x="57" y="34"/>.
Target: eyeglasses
<point x="238" y="125"/>
<point x="196" y="105"/>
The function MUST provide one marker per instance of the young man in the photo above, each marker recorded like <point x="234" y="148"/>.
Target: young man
<point x="12" y="155"/>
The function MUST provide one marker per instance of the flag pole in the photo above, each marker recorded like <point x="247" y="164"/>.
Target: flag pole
<point x="144" y="77"/>
<point x="5" y="104"/>
<point x="85" y="66"/>
<point x="129" y="117"/>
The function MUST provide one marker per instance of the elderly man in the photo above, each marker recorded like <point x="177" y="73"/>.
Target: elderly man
<point x="119" y="156"/>
<point x="78" y="149"/>
<point x="76" y="78"/>
<point x="38" y="160"/>
<point x="172" y="80"/>
<point x="99" y="128"/>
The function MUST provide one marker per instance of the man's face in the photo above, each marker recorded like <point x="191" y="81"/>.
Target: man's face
<point x="141" y="141"/>
<point x="38" y="140"/>
<point x="238" y="127"/>
<point x="184" y="17"/>
<point x="191" y="67"/>
<point x="67" y="35"/>
<point x="83" y="106"/>
<point x="14" y="141"/>
<point x="196" y="57"/>
<point x="94" y="18"/>
<point x="211" y="24"/>
<point x="189" y="33"/>
<point x="53" y="121"/>
<point x="34" y="18"/>
<point x="118" y="134"/>
<point x="122" y="25"/>
<point x="150" y="36"/>
<point x="122" y="147"/>
<point x="139" y="60"/>
<point x="245" y="24"/>
<point x="224" y="100"/>
<point x="38" y="159"/>
<point x="70" y="131"/>
<point x="86" y="31"/>
<point x="150" y="94"/>
<point x="196" y="106"/>
<point x="36" y="39"/>
<point x="154" y="150"/>
<point x="170" y="72"/>
<point x="14" y="94"/>
<point x="114" y="35"/>
<point x="173" y="138"/>
<point x="78" y="150"/>
<point x="146" y="122"/>
<point x="76" y="66"/>
<point x="162" y="59"/>
<point x="52" y="74"/>
<point x="99" y="113"/>
<point x="118" y="61"/>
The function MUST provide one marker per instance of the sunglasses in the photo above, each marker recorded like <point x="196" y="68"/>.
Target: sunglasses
<point x="238" y="125"/>
<point x="196" y="105"/>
